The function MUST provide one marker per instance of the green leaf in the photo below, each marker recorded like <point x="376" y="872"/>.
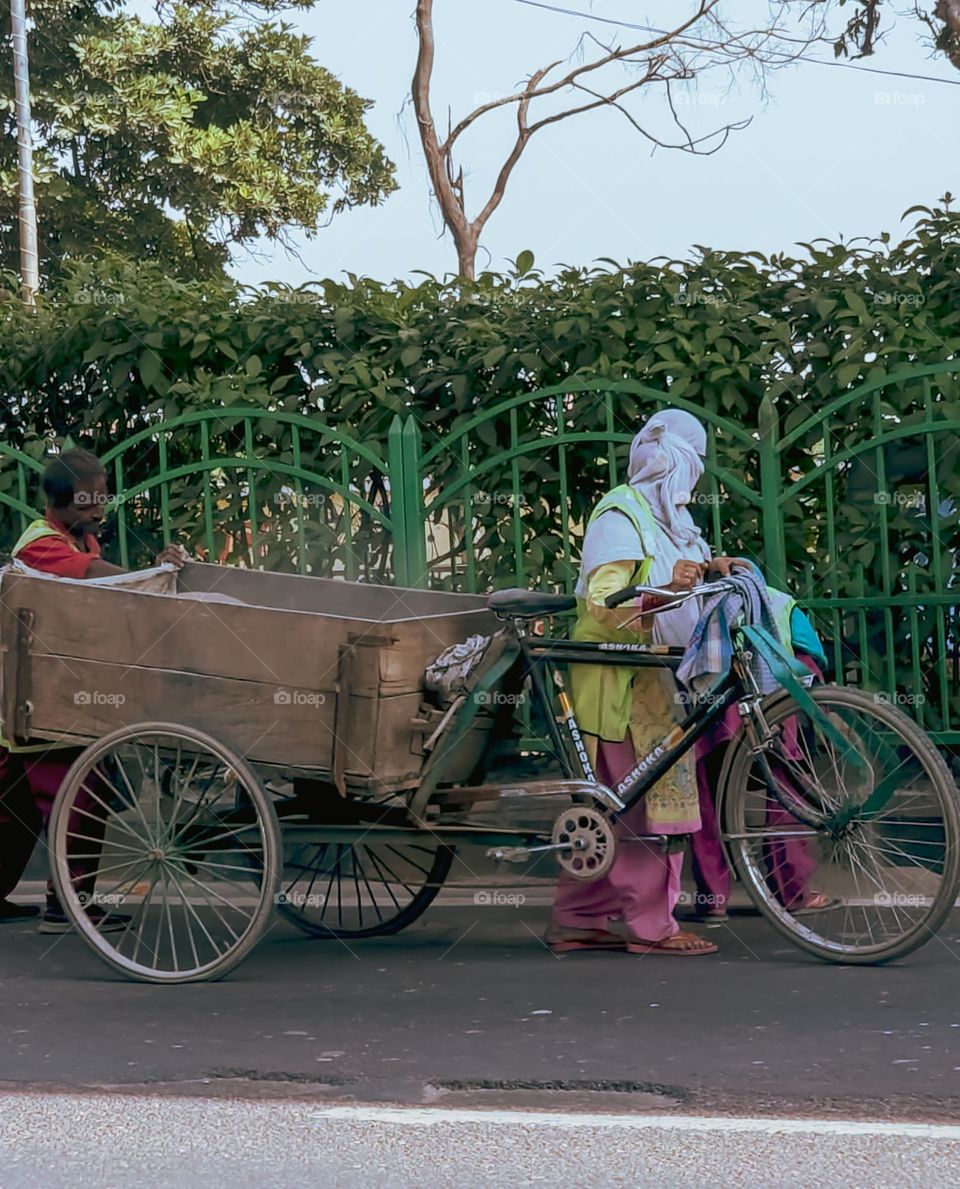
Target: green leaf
<point x="487" y="432"/>
<point x="847" y="373"/>
<point x="856" y="303"/>
<point x="525" y="262"/>
<point x="253" y="366"/>
<point x="150" y="368"/>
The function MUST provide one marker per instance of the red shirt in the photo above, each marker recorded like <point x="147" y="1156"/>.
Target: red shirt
<point x="60" y="554"/>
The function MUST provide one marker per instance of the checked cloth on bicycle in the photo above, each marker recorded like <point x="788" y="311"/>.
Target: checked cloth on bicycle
<point x="711" y="648"/>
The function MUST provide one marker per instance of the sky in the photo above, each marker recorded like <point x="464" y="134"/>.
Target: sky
<point x="828" y="152"/>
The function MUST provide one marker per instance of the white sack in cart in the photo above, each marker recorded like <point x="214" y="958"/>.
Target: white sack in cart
<point x="160" y="580"/>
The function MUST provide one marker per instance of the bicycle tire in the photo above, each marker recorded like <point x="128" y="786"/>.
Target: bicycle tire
<point x="735" y="808"/>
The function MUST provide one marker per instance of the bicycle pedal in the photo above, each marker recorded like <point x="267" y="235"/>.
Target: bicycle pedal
<point x="509" y="854"/>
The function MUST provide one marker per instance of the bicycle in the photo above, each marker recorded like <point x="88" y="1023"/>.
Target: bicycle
<point x="829" y="779"/>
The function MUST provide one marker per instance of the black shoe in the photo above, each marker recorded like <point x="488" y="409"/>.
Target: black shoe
<point x="55" y="920"/>
<point x="10" y="913"/>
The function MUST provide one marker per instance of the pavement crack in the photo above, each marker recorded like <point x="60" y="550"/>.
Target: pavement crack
<point x="260" y="1075"/>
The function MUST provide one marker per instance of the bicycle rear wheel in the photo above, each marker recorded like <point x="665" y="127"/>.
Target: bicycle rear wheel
<point x="847" y="879"/>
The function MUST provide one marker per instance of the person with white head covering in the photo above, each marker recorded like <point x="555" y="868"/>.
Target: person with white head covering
<point x="640" y="532"/>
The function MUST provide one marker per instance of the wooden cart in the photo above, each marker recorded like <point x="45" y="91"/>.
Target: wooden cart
<point x="203" y="721"/>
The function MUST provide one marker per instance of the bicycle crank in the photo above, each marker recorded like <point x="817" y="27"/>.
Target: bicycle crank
<point x="587" y="841"/>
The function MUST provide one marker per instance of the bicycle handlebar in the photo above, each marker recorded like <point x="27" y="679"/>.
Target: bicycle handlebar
<point x="671" y="598"/>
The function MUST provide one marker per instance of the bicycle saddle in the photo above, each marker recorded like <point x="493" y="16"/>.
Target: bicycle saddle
<point x="529" y="603"/>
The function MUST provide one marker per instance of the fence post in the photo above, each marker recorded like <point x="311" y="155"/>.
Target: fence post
<point x="406" y="503"/>
<point x="774" y="539"/>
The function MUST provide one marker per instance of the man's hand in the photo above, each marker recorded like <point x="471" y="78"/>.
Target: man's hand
<point x="721" y="567"/>
<point x="685" y="575"/>
<point x="176" y="555"/>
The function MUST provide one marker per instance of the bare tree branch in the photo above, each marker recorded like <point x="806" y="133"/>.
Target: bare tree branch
<point x="612" y="55"/>
<point x="438" y="165"/>
<point x="690" y="144"/>
<point x="700" y="42"/>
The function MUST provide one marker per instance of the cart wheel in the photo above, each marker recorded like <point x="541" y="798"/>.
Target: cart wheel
<point x="166" y="853"/>
<point x="362" y="889"/>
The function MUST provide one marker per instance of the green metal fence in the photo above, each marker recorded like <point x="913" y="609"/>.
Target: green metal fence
<point x="508" y="491"/>
<point x="852" y="505"/>
<point x="243" y="486"/>
<point x="869" y="503"/>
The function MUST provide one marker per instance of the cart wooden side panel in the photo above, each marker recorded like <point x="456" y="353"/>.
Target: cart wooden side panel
<point x="79" y="661"/>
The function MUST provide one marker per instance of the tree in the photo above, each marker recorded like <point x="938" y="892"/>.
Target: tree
<point x="863" y="29"/>
<point x="180" y="138"/>
<point x="702" y="41"/>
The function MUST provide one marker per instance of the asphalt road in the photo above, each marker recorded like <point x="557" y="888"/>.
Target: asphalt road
<point x="102" y="1142"/>
<point x="468" y="1006"/>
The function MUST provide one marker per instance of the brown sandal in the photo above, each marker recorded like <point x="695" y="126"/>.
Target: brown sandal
<point x="677" y="945"/>
<point x="568" y="940"/>
<point x="813" y="903"/>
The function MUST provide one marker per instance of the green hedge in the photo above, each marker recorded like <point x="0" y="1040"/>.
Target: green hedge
<point x="118" y="347"/>
<point x="118" y="342"/>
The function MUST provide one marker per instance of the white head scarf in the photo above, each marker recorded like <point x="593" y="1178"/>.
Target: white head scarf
<point x="666" y="462"/>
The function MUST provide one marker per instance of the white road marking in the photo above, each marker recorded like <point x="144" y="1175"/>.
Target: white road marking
<point x="428" y="1116"/>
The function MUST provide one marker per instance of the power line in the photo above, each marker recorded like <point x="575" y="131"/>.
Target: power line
<point x="589" y="16"/>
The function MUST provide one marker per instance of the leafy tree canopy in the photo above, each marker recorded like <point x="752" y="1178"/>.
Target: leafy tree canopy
<point x="178" y="138"/>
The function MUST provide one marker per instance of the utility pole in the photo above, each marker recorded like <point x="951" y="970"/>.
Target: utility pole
<point x="29" y="260"/>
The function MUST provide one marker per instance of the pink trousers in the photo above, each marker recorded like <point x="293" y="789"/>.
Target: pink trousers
<point x="28" y="788"/>
<point x="643" y="885"/>
<point x="789" y="862"/>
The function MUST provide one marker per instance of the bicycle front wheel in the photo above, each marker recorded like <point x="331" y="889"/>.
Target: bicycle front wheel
<point x="866" y="867"/>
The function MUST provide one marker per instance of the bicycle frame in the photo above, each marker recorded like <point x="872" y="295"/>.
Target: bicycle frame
<point x="542" y="654"/>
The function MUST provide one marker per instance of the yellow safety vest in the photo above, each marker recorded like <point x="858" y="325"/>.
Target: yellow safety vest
<point x="35" y="531"/>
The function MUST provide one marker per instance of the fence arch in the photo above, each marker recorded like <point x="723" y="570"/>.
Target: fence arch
<point x="244" y="485"/>
<point x="484" y="480"/>
<point x="869" y="505"/>
<point x="19" y="487"/>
